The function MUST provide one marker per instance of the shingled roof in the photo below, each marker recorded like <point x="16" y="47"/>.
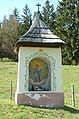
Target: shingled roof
<point x="39" y="35"/>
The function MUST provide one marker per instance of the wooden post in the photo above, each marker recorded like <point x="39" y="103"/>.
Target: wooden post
<point x="73" y="95"/>
<point x="10" y="90"/>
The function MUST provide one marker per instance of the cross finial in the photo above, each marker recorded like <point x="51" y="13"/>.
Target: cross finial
<point x="38" y="6"/>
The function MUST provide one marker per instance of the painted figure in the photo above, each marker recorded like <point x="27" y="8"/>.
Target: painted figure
<point x="37" y="73"/>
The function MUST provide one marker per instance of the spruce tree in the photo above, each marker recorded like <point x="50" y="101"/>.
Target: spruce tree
<point x="26" y="20"/>
<point x="67" y="28"/>
<point x="49" y="15"/>
<point x="16" y="14"/>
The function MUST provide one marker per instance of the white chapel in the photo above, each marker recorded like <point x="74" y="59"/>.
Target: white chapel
<point x="39" y="67"/>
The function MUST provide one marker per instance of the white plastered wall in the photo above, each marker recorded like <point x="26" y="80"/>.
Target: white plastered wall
<point x="24" y="52"/>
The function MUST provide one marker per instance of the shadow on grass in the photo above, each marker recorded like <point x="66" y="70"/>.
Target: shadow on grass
<point x="65" y="108"/>
<point x="71" y="110"/>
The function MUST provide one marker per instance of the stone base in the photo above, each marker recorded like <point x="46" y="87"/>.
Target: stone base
<point x="41" y="99"/>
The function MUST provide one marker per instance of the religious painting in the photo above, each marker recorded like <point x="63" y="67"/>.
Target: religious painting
<point x="38" y="75"/>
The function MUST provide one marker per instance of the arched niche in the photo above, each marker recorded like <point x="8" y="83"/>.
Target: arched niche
<point x="39" y="74"/>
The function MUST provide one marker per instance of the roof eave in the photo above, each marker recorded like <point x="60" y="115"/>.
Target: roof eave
<point x="40" y="44"/>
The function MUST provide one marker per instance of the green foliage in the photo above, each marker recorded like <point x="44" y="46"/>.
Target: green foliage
<point x="16" y="14"/>
<point x="64" y="22"/>
<point x="9" y="110"/>
<point x="8" y="38"/>
<point x="67" y="22"/>
<point x="5" y="59"/>
<point x="26" y="18"/>
<point x="49" y="15"/>
<point x="11" y="31"/>
<point x="26" y="21"/>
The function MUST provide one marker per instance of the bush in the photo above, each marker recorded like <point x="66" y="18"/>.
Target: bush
<point x="5" y="59"/>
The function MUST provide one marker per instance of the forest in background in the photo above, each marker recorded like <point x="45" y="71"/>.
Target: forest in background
<point x="63" y="22"/>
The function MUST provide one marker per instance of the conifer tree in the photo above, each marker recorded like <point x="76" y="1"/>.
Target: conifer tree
<point x="16" y="14"/>
<point x="67" y="28"/>
<point x="26" y="21"/>
<point x="49" y="15"/>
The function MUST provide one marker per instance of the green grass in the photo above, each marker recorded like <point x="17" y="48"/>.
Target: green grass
<point x="8" y="72"/>
<point x="71" y="76"/>
<point x="9" y="110"/>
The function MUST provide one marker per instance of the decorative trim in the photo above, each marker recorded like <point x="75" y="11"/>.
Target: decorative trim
<point x="53" y="68"/>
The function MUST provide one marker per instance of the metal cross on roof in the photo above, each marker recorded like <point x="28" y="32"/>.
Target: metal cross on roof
<point x="38" y="6"/>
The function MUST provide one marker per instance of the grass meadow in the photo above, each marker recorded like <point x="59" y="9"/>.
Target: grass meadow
<point x="9" y="109"/>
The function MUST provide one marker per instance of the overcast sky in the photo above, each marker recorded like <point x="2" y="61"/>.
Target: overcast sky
<point x="7" y="6"/>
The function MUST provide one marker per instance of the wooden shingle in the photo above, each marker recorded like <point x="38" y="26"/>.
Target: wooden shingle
<point x="39" y="35"/>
